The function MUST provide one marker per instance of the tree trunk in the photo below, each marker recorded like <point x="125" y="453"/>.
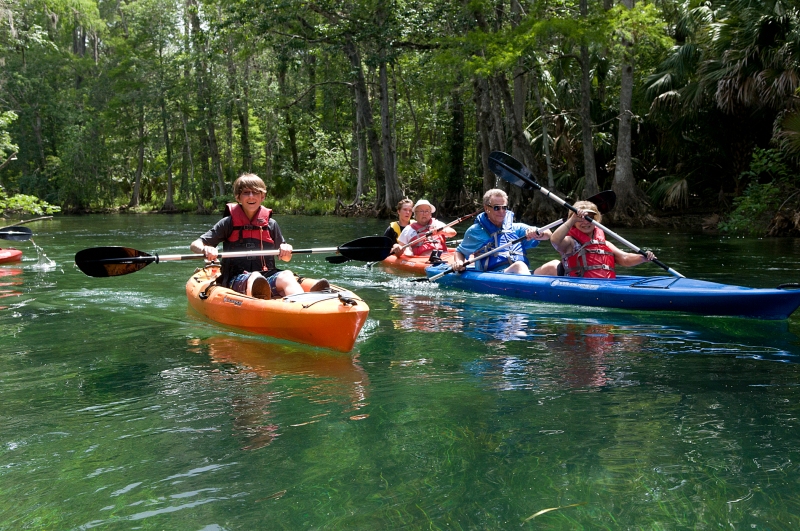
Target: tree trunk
<point x="482" y="120"/>
<point x="365" y="108"/>
<point x="362" y="157"/>
<point x="213" y="148"/>
<point x="137" y="180"/>
<point x="243" y="111"/>
<point x="186" y="177"/>
<point x="540" y="209"/>
<point x="632" y="204"/>
<point x="590" y="186"/>
<point x="393" y="192"/>
<point x="204" y="99"/>
<point x="455" y="175"/>
<point x="37" y="133"/>
<point x="551" y="183"/>
<point x="169" y="204"/>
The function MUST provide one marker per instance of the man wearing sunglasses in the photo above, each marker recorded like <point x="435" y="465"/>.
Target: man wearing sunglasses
<point x="495" y="227"/>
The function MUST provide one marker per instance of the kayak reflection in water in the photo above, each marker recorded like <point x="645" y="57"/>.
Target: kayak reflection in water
<point x="495" y="227"/>
<point x="330" y="385"/>
<point x="584" y="249"/>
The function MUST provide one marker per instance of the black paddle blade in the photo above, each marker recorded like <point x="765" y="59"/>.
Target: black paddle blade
<point x="17" y="234"/>
<point x="511" y="170"/>
<point x="337" y="259"/>
<point x="111" y="261"/>
<point x="605" y="201"/>
<point x="367" y="249"/>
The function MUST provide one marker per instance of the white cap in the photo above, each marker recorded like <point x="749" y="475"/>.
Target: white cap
<point x="422" y="202"/>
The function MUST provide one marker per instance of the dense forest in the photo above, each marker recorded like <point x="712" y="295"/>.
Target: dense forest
<point x="680" y="107"/>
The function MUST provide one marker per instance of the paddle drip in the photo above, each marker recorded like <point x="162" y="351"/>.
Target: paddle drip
<point x="42" y="262"/>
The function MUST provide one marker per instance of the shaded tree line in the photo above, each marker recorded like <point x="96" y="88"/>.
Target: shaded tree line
<point x="677" y="106"/>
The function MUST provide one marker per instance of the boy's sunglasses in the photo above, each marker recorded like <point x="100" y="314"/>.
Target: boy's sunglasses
<point x="499" y="207"/>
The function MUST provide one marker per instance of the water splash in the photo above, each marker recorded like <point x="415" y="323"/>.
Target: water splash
<point x="42" y="263"/>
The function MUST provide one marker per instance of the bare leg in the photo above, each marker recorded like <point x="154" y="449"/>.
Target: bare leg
<point x="518" y="268"/>
<point x="549" y="268"/>
<point x="287" y="285"/>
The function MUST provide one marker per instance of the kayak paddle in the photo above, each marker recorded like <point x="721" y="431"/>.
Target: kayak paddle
<point x="342" y="259"/>
<point x="513" y="171"/>
<point x="117" y="261"/>
<point x="450" y="269"/>
<point x="26" y="221"/>
<point x="605" y="201"/>
<point x="17" y="234"/>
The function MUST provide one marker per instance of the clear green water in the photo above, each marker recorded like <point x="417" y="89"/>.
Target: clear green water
<point x="123" y="410"/>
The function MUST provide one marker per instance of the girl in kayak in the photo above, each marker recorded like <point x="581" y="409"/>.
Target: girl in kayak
<point x="584" y="249"/>
<point x="248" y="226"/>
<point x="404" y="213"/>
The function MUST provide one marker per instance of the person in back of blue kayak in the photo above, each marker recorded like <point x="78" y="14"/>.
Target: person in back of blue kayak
<point x="492" y="228"/>
<point x="404" y="213"/>
<point x="249" y="226"/>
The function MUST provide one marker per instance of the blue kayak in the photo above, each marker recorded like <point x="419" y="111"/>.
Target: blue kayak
<point x="632" y="293"/>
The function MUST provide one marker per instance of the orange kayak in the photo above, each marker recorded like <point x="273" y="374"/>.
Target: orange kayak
<point x="415" y="264"/>
<point x="329" y="319"/>
<point x="10" y="255"/>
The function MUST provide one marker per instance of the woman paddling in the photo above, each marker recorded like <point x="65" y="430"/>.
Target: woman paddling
<point x="434" y="231"/>
<point x="584" y="249"/>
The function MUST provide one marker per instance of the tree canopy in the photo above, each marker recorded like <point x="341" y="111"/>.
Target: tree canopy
<point x="351" y="105"/>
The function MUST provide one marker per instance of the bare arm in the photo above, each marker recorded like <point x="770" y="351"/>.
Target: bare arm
<point x="206" y="250"/>
<point x="629" y="259"/>
<point x="559" y="239"/>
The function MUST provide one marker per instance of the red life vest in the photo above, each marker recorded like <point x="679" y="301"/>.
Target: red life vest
<point x="245" y="229"/>
<point x="435" y="242"/>
<point x="247" y="236"/>
<point x="593" y="259"/>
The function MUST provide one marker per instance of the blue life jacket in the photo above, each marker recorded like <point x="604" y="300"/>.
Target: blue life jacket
<point x="498" y="237"/>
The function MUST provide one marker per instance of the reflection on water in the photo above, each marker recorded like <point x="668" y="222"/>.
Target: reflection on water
<point x="335" y="381"/>
<point x="455" y="411"/>
<point x="584" y="339"/>
<point x="7" y="279"/>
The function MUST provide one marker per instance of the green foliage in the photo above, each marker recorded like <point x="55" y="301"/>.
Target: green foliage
<point x="770" y="180"/>
<point x="753" y="210"/>
<point x="92" y="82"/>
<point x="25" y="204"/>
<point x="6" y="147"/>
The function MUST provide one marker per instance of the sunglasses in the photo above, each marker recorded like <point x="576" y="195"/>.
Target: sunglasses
<point x="499" y="207"/>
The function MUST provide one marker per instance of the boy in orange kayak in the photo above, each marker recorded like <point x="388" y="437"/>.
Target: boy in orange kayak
<point x="248" y="226"/>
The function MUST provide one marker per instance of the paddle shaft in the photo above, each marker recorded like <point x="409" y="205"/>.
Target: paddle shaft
<point x="555" y="223"/>
<point x="26" y="221"/>
<point x="611" y="233"/>
<point x="235" y="254"/>
<point x="429" y="232"/>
